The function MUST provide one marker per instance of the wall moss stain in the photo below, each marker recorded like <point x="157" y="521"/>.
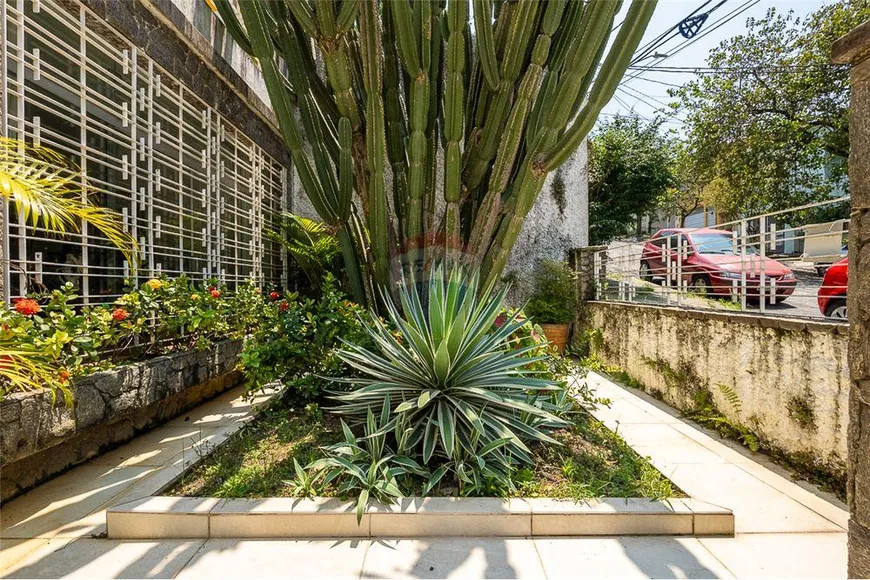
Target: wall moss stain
<point x="792" y="379"/>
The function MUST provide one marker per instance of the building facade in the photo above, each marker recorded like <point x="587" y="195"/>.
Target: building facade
<point x="167" y="121"/>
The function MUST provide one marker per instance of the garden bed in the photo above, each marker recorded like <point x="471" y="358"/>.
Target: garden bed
<point x="245" y="488"/>
<point x="258" y="462"/>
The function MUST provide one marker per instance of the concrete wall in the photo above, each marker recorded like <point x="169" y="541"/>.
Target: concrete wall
<point x="854" y="49"/>
<point x="792" y="376"/>
<point x="557" y="223"/>
<point x="39" y="438"/>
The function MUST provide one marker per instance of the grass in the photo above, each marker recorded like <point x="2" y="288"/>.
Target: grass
<point x="258" y="461"/>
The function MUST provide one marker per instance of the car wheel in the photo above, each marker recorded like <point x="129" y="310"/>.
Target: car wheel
<point x="837" y="309"/>
<point x="822" y="270"/>
<point x="645" y="272"/>
<point x="701" y="285"/>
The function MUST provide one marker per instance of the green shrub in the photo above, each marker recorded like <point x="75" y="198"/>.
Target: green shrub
<point x="553" y="300"/>
<point x="297" y="341"/>
<point x="161" y="315"/>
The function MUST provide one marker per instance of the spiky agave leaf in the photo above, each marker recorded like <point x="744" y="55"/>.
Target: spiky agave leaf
<point x="452" y="383"/>
<point x="47" y="189"/>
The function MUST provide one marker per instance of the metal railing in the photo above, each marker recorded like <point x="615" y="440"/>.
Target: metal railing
<point x="785" y="263"/>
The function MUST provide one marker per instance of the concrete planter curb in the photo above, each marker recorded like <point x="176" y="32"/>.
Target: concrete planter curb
<point x="40" y="438"/>
<point x="184" y="517"/>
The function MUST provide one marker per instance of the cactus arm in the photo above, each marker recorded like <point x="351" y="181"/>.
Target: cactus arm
<point x="502" y="169"/>
<point x="371" y="51"/>
<point x="303" y="14"/>
<point x="542" y="105"/>
<point x="612" y="70"/>
<point x="262" y="48"/>
<point x="418" y="100"/>
<point x="454" y="102"/>
<point x="567" y="34"/>
<point x="432" y="124"/>
<point x="234" y="27"/>
<point x="532" y="175"/>
<point x="325" y="18"/>
<point x="346" y="16"/>
<point x="407" y="36"/>
<point x="345" y="169"/>
<point x="395" y="123"/>
<point x="485" y="45"/>
<point x="516" y="40"/>
<point x="290" y="44"/>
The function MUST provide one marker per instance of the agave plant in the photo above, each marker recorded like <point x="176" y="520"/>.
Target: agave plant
<point x="454" y="386"/>
<point x="366" y="467"/>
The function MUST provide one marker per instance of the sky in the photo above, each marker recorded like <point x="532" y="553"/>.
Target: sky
<point x="646" y="96"/>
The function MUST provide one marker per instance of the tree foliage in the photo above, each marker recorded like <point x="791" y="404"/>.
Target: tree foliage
<point x="630" y="170"/>
<point x="769" y="126"/>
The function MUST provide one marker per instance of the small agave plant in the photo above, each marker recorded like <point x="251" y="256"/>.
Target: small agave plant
<point x="454" y="387"/>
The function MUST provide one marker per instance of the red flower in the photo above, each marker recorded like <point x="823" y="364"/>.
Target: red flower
<point x="119" y="315"/>
<point x="274" y="295"/>
<point x="27" y="306"/>
<point x="283" y="306"/>
<point x="64" y="376"/>
<point x="500" y="320"/>
<point x="215" y="293"/>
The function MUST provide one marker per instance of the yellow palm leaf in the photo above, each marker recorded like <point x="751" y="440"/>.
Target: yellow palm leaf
<point x="48" y="189"/>
<point x="27" y="370"/>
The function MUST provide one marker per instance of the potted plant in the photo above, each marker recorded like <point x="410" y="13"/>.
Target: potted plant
<point x="553" y="302"/>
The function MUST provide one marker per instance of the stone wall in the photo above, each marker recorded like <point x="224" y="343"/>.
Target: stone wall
<point x="791" y="376"/>
<point x="556" y="224"/>
<point x="854" y="49"/>
<point x="39" y="439"/>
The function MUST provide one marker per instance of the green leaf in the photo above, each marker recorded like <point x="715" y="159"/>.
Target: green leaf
<point x="361" y="503"/>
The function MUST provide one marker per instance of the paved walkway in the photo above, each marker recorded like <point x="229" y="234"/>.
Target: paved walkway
<point x="784" y="529"/>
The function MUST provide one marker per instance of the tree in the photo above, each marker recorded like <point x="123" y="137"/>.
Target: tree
<point x="630" y="169"/>
<point x="688" y="190"/>
<point x="770" y="122"/>
<point x="495" y="98"/>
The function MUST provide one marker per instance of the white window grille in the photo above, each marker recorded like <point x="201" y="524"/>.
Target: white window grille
<point x="194" y="190"/>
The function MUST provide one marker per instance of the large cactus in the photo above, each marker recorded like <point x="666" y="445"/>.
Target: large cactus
<point x="378" y="95"/>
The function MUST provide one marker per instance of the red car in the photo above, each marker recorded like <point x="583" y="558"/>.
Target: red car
<point x="709" y="264"/>
<point x="832" y="294"/>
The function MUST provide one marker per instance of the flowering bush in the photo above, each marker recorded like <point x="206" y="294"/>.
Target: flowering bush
<point x="297" y="342"/>
<point x="162" y="315"/>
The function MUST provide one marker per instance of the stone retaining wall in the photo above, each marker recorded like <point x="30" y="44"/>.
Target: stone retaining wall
<point x="790" y="376"/>
<point x="39" y="439"/>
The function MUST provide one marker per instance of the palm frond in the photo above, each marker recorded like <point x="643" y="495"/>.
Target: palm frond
<point x="23" y="369"/>
<point x="48" y="189"/>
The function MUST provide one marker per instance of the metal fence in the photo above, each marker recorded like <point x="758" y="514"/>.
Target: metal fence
<point x="192" y="189"/>
<point x="786" y="263"/>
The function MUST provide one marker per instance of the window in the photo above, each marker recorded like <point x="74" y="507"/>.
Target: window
<point x="194" y="191"/>
<point x="717" y="244"/>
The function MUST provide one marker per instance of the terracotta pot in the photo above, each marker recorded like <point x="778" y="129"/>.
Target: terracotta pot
<point x="556" y="334"/>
